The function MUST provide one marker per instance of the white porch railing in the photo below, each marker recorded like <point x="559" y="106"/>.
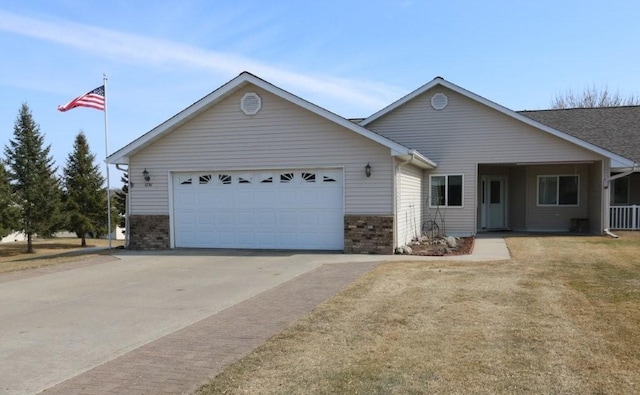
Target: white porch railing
<point x="624" y="217"/>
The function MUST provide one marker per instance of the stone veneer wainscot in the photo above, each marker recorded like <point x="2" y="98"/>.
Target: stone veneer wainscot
<point x="368" y="234"/>
<point x="363" y="234"/>
<point x="149" y="232"/>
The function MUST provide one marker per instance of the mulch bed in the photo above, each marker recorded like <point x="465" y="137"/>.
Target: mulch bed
<point x="465" y="247"/>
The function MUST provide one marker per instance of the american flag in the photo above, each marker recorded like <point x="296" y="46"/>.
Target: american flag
<point x="93" y="99"/>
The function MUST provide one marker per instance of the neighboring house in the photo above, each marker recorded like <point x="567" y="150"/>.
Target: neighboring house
<point x="616" y="129"/>
<point x="253" y="166"/>
<point x="13" y="237"/>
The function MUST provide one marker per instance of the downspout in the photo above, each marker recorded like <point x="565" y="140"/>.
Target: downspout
<point x="610" y="234"/>
<point x="127" y="205"/>
<point x="633" y="169"/>
<point x="399" y="193"/>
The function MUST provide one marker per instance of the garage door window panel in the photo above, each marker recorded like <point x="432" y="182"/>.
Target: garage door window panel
<point x="245" y="179"/>
<point x="266" y="178"/>
<point x="204" y="179"/>
<point x="224" y="179"/>
<point x="309" y="177"/>
<point x="286" y="178"/>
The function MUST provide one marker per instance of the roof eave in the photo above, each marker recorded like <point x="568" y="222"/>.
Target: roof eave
<point x="417" y="159"/>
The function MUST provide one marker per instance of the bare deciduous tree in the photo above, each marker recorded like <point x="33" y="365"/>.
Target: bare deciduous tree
<point x="592" y="97"/>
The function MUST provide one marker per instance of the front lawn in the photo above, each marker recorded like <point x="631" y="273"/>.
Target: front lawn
<point x="48" y="252"/>
<point x="563" y="316"/>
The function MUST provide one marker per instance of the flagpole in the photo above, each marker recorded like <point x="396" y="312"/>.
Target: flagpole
<point x="106" y="154"/>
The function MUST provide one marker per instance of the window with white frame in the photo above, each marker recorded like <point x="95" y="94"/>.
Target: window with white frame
<point x="558" y="190"/>
<point x="446" y="190"/>
<point x="620" y="191"/>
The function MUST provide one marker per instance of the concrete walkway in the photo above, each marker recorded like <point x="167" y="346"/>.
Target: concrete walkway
<point x="181" y="361"/>
<point x="489" y="247"/>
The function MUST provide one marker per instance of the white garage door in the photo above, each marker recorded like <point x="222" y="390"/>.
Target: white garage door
<point x="279" y="209"/>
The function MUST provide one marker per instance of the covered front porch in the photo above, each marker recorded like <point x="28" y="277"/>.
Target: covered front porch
<point x="624" y="213"/>
<point x="541" y="197"/>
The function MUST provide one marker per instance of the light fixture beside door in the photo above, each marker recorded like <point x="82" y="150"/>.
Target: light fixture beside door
<point x="147" y="178"/>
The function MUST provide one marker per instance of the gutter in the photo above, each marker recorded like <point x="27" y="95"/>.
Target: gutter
<point x="415" y="155"/>
<point x="625" y="173"/>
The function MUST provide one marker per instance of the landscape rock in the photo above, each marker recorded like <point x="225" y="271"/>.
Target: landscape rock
<point x="404" y="250"/>
<point x="451" y="241"/>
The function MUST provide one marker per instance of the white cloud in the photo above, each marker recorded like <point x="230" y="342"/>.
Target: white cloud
<point x="145" y="50"/>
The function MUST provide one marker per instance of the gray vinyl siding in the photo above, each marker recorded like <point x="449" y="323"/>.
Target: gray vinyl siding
<point x="409" y="206"/>
<point x="596" y="194"/>
<point x="281" y="136"/>
<point x="518" y="198"/>
<point x="556" y="218"/>
<point x="467" y="133"/>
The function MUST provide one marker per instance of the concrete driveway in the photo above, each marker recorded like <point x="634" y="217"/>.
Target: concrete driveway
<point x="56" y="325"/>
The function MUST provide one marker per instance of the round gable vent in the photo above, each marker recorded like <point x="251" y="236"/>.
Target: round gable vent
<point x="251" y="103"/>
<point x="439" y="101"/>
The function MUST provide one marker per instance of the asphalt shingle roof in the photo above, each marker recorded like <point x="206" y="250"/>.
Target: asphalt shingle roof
<point x="616" y="129"/>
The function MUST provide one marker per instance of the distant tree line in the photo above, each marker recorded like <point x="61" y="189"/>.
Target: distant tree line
<point x="35" y="201"/>
<point x="593" y="97"/>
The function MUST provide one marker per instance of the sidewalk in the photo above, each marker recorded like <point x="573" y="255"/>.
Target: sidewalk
<point x="487" y="247"/>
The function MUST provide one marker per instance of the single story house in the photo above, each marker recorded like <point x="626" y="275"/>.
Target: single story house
<point x="616" y="129"/>
<point x="253" y="166"/>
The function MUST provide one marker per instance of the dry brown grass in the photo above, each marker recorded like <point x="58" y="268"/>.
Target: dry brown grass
<point x="48" y="252"/>
<point x="561" y="317"/>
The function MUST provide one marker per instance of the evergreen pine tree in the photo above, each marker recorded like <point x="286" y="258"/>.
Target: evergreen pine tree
<point x="85" y="201"/>
<point x="121" y="200"/>
<point x="8" y="210"/>
<point x="31" y="169"/>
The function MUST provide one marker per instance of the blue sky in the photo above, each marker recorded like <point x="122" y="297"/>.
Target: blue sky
<point x="351" y="57"/>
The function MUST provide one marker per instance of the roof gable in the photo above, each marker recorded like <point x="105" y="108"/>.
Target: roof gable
<point x="617" y="159"/>
<point x="122" y="155"/>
